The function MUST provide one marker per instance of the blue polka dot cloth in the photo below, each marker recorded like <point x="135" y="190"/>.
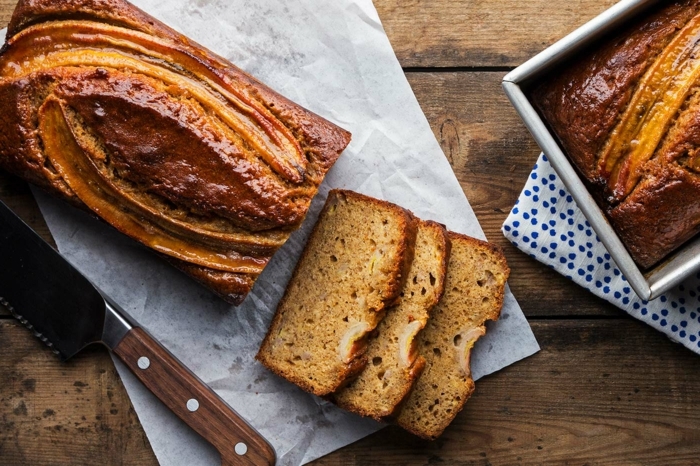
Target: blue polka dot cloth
<point x="546" y="224"/>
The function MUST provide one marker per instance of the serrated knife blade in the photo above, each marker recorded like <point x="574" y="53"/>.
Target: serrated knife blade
<point x="46" y="293"/>
<point x="56" y="302"/>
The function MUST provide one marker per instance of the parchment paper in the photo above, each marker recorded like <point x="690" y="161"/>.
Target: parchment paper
<point x="334" y="58"/>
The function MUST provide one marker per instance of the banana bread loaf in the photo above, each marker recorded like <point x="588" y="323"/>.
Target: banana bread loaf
<point x="110" y="109"/>
<point x="352" y="269"/>
<point x="628" y="116"/>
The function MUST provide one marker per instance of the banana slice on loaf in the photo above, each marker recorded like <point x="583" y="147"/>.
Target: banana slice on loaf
<point x="474" y="290"/>
<point x="352" y="269"/>
<point x="394" y="363"/>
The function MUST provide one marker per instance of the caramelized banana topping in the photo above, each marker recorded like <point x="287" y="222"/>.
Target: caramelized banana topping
<point x="658" y="97"/>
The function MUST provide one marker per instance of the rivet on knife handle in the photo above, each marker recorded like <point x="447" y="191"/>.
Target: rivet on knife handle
<point x="193" y="402"/>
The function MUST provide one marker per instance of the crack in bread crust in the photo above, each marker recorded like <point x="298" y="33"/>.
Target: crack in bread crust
<point x="655" y="103"/>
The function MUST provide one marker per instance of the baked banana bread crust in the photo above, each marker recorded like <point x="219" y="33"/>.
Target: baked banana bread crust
<point x="110" y="109"/>
<point x="628" y="116"/>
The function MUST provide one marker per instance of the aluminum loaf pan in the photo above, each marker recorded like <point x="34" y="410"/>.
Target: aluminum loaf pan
<point x="682" y="263"/>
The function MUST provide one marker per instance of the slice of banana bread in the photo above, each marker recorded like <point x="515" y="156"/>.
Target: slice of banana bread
<point x="476" y="278"/>
<point x="394" y="363"/>
<point x="352" y="269"/>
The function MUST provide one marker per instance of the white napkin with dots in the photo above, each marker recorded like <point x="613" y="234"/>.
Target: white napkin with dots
<point x="547" y="224"/>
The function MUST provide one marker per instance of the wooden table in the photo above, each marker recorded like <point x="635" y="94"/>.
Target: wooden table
<point x="605" y="389"/>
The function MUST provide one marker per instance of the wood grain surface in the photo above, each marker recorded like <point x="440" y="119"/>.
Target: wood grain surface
<point x="605" y="389"/>
<point x="76" y="413"/>
<point x="6" y="7"/>
<point x="479" y="33"/>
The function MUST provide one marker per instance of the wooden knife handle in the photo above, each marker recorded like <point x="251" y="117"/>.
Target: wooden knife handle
<point x="193" y="402"/>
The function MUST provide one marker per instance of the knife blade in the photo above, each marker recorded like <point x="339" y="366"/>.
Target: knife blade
<point x="67" y="312"/>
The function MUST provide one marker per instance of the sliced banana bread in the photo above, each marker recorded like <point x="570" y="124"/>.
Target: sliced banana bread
<point x="351" y="270"/>
<point x="476" y="278"/>
<point x="394" y="363"/>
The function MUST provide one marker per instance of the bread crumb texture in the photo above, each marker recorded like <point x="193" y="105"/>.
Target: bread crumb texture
<point x="474" y="289"/>
<point x="394" y="363"/>
<point x="350" y="271"/>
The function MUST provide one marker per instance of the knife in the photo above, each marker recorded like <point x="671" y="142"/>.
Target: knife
<point x="54" y="300"/>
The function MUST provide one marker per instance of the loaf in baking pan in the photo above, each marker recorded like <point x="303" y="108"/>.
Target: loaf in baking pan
<point x="393" y="360"/>
<point x="351" y="271"/>
<point x="106" y="107"/>
<point x="627" y="114"/>
<point x="474" y="290"/>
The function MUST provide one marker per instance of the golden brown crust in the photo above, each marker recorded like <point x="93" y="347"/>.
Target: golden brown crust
<point x="670" y="198"/>
<point x="208" y="165"/>
<point x="407" y="252"/>
<point x="117" y="12"/>
<point x="446" y="259"/>
<point x="647" y="188"/>
<point x="582" y="101"/>
<point x="231" y="287"/>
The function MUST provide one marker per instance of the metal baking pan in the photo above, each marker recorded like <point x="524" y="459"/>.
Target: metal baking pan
<point x="674" y="269"/>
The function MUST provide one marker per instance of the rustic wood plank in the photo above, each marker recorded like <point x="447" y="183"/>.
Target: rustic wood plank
<point x="483" y="138"/>
<point x="600" y="392"/>
<point x="477" y="33"/>
<point x="616" y="391"/>
<point x="492" y="154"/>
<point x="76" y="413"/>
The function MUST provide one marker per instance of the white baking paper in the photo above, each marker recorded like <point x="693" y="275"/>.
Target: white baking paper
<point x="334" y="58"/>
